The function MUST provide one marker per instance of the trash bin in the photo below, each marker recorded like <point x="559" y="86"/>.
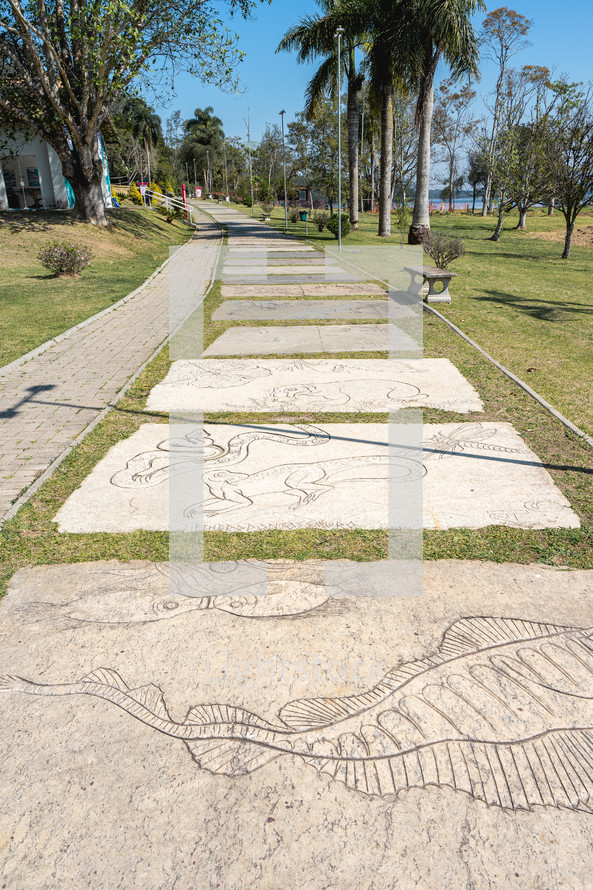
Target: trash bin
<point x="303" y="216"/>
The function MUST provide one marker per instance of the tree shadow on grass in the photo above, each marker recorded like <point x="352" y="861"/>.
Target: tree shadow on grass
<point x="126" y="221"/>
<point x="545" y="310"/>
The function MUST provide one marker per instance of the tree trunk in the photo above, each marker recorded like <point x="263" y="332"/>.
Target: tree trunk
<point x="498" y="229"/>
<point x="386" y="162"/>
<point x="522" y="224"/>
<point x="487" y="190"/>
<point x="451" y="195"/>
<point x="420" y="228"/>
<point x="551" y="207"/>
<point x="568" y="240"/>
<point x="84" y="171"/>
<point x="353" y="142"/>
<point x="474" y="200"/>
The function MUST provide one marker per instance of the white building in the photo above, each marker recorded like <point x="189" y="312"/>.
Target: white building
<point x="32" y="175"/>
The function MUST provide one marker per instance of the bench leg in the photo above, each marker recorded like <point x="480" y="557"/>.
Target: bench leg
<point x="442" y="296"/>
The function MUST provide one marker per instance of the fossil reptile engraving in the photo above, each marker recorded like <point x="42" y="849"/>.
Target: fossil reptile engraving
<point x="503" y="711"/>
<point x="231" y="489"/>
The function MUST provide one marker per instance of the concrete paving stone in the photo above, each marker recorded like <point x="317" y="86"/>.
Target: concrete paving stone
<point x="291" y="340"/>
<point x="285" y="259"/>
<point x="430" y="779"/>
<point x="314" y="385"/>
<point x="328" y="476"/>
<point x="325" y="268"/>
<point x="331" y="277"/>
<point x="284" y="250"/>
<point x="295" y="309"/>
<point x="315" y="289"/>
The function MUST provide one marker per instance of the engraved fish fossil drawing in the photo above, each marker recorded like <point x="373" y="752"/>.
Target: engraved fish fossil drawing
<point x="167" y="591"/>
<point x="503" y="711"/>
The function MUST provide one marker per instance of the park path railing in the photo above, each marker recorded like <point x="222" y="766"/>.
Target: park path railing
<point x="169" y="203"/>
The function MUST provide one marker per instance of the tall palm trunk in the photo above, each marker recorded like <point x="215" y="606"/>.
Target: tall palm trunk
<point x="386" y="162"/>
<point x="420" y="227"/>
<point x="354" y="85"/>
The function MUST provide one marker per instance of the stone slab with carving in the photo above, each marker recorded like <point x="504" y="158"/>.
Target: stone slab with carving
<point x="313" y="385"/>
<point x="311" y="338"/>
<point x="316" y="289"/>
<point x="286" y="310"/>
<point x="439" y="742"/>
<point x="290" y="277"/>
<point x="285" y="258"/>
<point x="295" y="269"/>
<point x="259" y="477"/>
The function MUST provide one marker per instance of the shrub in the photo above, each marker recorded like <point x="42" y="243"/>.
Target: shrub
<point x="320" y="220"/>
<point x="293" y="214"/>
<point x="156" y="197"/>
<point x="443" y="249"/>
<point x="267" y="209"/>
<point x="64" y="258"/>
<point x="134" y="193"/>
<point x="332" y="224"/>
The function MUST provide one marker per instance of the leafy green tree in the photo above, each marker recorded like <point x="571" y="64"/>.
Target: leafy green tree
<point x="570" y="155"/>
<point x="268" y="164"/>
<point x="452" y="125"/>
<point x="518" y="166"/>
<point x="314" y="37"/>
<point x="145" y="126"/>
<point x="504" y="34"/>
<point x="203" y="142"/>
<point x="65" y="63"/>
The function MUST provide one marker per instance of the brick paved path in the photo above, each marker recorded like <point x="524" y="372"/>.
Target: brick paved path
<point x="47" y="402"/>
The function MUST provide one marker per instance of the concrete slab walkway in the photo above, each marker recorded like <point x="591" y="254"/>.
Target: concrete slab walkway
<point x="49" y="401"/>
<point x="174" y="727"/>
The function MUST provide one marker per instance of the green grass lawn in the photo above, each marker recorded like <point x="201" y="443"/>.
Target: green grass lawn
<point x="31" y="537"/>
<point x="517" y="298"/>
<point x="35" y="306"/>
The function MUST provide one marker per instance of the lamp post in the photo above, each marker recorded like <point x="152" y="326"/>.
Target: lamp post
<point x="339" y="34"/>
<point x="250" y="163"/>
<point x="195" y="179"/>
<point x="226" y="172"/>
<point x="282" y="113"/>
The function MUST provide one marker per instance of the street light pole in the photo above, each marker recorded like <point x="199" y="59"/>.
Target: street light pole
<point x="195" y="178"/>
<point x="282" y="113"/>
<point x="250" y="164"/>
<point x="209" y="176"/>
<point x="226" y="172"/>
<point x="339" y="33"/>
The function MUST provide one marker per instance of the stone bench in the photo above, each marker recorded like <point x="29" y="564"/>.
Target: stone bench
<point x="432" y="276"/>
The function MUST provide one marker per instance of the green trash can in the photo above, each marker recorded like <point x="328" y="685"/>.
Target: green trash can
<point x="303" y="215"/>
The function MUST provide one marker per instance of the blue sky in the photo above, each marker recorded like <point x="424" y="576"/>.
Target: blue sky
<point x="561" y="38"/>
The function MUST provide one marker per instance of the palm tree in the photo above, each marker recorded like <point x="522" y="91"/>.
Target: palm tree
<point x="405" y="40"/>
<point x="145" y="125"/>
<point x="312" y="37"/>
<point x="434" y="30"/>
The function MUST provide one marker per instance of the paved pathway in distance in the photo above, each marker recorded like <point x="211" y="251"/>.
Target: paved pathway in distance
<point x="47" y="402"/>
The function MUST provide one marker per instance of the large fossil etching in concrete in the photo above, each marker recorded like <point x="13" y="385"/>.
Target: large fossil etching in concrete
<point x="313" y="385"/>
<point x="258" y="477"/>
<point x="503" y="711"/>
